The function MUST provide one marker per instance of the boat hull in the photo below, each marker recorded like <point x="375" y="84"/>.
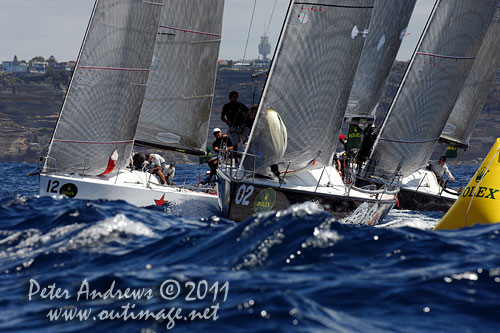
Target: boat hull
<point x="239" y="200"/>
<point x="130" y="186"/>
<point x="421" y="191"/>
<point x="414" y="200"/>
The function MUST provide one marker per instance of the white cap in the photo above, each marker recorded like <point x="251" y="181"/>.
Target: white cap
<point x="217" y="130"/>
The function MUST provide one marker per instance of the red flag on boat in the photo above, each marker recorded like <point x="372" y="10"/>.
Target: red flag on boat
<point x="113" y="159"/>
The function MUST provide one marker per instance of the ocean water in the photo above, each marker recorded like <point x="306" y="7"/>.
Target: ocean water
<point x="65" y="266"/>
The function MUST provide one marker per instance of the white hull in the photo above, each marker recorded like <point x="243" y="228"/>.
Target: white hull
<point x="135" y="187"/>
<point x="421" y="191"/>
<point x="425" y="181"/>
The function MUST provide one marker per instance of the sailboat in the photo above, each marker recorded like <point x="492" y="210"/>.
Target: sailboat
<point x="444" y="59"/>
<point x="292" y="143"/>
<point x="145" y="73"/>
<point x="387" y="30"/>
<point x="421" y="190"/>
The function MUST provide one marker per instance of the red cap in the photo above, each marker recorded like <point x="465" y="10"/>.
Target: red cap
<point x="342" y="136"/>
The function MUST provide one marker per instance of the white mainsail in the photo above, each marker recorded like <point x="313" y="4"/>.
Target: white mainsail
<point x="101" y="109"/>
<point x="460" y="125"/>
<point x="309" y="84"/>
<point x="431" y="86"/>
<point x="387" y="29"/>
<point x="176" y="110"/>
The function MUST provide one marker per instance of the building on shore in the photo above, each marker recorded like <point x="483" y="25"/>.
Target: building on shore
<point x="39" y="67"/>
<point x="15" y="66"/>
<point x="261" y="63"/>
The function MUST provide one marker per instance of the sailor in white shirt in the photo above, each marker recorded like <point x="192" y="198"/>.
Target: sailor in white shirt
<point x="170" y="173"/>
<point x="158" y="166"/>
<point x="440" y="169"/>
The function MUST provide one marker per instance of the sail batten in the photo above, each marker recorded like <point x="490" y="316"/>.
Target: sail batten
<point x="101" y="109"/>
<point x="306" y="93"/>
<point x="179" y="149"/>
<point x="181" y="84"/>
<point x="431" y="86"/>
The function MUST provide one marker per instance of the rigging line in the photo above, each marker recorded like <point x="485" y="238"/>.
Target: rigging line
<point x="249" y="29"/>
<point x="271" y="17"/>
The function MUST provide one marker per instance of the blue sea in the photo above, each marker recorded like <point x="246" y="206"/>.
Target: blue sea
<point x="106" y="266"/>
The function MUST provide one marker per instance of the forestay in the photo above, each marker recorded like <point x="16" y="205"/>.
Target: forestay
<point x="458" y="129"/>
<point x="176" y="110"/>
<point x="101" y="110"/>
<point x="431" y="86"/>
<point x="387" y="30"/>
<point x="309" y="84"/>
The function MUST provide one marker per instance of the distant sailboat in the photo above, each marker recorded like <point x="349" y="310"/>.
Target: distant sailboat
<point x="95" y="133"/>
<point x="299" y="119"/>
<point x="425" y="99"/>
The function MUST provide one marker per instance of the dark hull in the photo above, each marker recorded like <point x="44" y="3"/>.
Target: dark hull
<point x="415" y="200"/>
<point x="242" y="199"/>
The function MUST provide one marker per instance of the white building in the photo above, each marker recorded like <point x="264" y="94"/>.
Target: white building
<point x="261" y="63"/>
<point x="39" y="66"/>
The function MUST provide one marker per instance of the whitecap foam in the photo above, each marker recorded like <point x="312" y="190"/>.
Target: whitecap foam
<point x="109" y="230"/>
<point x="405" y="218"/>
<point x="32" y="242"/>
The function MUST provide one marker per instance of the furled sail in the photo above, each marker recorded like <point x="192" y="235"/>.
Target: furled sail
<point x="176" y="110"/>
<point x="309" y="84"/>
<point x="432" y="83"/>
<point x="460" y="125"/>
<point x="387" y="29"/>
<point x="96" y="127"/>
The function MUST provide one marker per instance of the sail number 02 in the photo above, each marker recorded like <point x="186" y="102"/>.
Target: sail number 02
<point x="243" y="194"/>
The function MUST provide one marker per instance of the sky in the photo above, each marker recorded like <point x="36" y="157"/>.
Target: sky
<point x="30" y="28"/>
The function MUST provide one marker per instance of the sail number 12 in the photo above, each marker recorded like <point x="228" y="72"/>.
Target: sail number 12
<point x="52" y="186"/>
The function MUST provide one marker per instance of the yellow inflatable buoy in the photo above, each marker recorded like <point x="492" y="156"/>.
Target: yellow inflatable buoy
<point x="480" y="201"/>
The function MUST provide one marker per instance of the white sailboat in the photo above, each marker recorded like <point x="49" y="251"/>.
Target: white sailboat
<point x="446" y="56"/>
<point x="153" y="51"/>
<point x="299" y="119"/>
<point x="421" y="190"/>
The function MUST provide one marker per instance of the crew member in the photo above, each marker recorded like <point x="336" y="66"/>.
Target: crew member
<point x="233" y="114"/>
<point x="157" y="166"/>
<point x="440" y="169"/>
<point x="220" y="142"/>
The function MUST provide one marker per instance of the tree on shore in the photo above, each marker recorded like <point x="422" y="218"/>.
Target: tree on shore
<point x="52" y="61"/>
